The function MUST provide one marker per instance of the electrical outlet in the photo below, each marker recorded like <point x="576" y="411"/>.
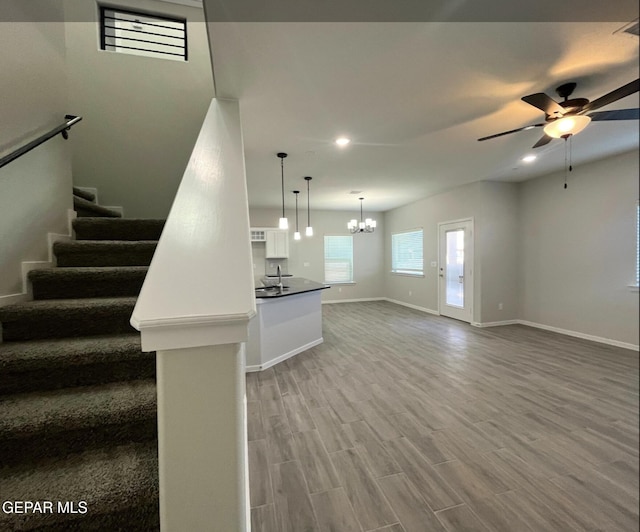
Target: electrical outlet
<point x="410" y="293"/>
<point x="339" y="289"/>
<point x="499" y="306"/>
<point x="306" y="264"/>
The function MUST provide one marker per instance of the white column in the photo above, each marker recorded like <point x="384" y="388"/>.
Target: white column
<point x="202" y="439"/>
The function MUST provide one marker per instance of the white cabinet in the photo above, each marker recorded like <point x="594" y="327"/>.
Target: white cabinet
<point x="258" y="234"/>
<point x="277" y="244"/>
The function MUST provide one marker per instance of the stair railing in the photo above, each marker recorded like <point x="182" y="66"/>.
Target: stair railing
<point x="62" y="129"/>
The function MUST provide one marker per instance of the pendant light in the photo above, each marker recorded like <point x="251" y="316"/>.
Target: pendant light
<point x="296" y="235"/>
<point x="365" y="226"/>
<point x="283" y="223"/>
<point x="309" y="229"/>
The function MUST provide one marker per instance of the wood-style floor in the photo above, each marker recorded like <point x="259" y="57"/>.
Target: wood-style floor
<point x="406" y="422"/>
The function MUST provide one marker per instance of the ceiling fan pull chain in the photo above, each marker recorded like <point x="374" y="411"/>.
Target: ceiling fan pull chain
<point x="565" y="162"/>
<point x="570" y="153"/>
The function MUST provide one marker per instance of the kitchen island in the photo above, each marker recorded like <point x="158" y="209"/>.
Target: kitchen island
<point x="288" y="321"/>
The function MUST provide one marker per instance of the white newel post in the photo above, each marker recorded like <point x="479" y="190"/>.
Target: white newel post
<point x="194" y="310"/>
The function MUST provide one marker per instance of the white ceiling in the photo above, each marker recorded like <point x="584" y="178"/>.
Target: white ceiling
<point x="414" y="98"/>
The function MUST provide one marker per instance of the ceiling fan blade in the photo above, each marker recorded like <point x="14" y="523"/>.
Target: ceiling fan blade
<point x="616" y="114"/>
<point x="512" y="131"/>
<point x="612" y="96"/>
<point x="545" y="103"/>
<point x="545" y="139"/>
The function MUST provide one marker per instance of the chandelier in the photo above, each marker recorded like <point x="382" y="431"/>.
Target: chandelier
<point x="364" y="226"/>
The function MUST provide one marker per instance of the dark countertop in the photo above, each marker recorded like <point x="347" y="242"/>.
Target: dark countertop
<point x="292" y="286"/>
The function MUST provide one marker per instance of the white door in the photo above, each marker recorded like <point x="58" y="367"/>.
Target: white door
<point x="455" y="269"/>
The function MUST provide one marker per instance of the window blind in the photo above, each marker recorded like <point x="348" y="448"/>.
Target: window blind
<point x="406" y="252"/>
<point x="338" y="259"/>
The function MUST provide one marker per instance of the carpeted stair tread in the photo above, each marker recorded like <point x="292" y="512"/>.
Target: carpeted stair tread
<point x="56" y="363"/>
<point x="117" y="228"/>
<point x="60" y="318"/>
<point x="50" y="412"/>
<point x="119" y="485"/>
<point x="84" y="194"/>
<point x="87" y="208"/>
<point x="104" y="253"/>
<point x="83" y="282"/>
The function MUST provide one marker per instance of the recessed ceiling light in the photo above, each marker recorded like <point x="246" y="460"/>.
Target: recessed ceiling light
<point x="529" y="158"/>
<point x="342" y="141"/>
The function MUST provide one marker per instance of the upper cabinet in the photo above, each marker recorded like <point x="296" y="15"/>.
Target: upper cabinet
<point x="277" y="244"/>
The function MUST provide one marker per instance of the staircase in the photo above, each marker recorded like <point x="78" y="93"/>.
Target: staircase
<point x="77" y="395"/>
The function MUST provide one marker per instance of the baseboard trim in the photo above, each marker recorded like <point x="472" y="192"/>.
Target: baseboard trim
<point x="414" y="307"/>
<point x="576" y="334"/>
<point x="12" y="299"/>
<point x="360" y="300"/>
<point x="495" y="323"/>
<point x="28" y="265"/>
<point x="281" y="358"/>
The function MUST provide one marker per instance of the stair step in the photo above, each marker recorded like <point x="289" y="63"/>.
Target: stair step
<point x="87" y="208"/>
<point x="117" y="229"/>
<point x="62" y="318"/>
<point x="85" y="194"/>
<point x="104" y="253"/>
<point x="67" y="362"/>
<point x="108" y="281"/>
<point x="119" y="485"/>
<point x="40" y="425"/>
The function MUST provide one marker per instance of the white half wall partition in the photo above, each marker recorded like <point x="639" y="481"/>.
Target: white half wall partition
<point x="194" y="310"/>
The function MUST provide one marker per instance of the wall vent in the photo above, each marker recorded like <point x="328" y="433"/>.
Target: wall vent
<point x="130" y="32"/>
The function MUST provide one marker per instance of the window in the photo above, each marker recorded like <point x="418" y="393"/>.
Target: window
<point x="128" y="32"/>
<point x="338" y="259"/>
<point x="406" y="252"/>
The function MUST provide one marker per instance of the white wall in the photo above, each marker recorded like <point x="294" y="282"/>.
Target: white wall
<point x="578" y="249"/>
<point x="141" y="115"/>
<point x="368" y="250"/>
<point x="35" y="190"/>
<point x="493" y="207"/>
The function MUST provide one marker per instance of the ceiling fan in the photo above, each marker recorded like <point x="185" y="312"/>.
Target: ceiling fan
<point x="566" y="118"/>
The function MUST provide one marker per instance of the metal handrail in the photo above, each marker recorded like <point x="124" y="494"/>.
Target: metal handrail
<point x="71" y="120"/>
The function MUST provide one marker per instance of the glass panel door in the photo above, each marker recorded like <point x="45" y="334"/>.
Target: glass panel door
<point x="455" y="268"/>
<point x="455" y="257"/>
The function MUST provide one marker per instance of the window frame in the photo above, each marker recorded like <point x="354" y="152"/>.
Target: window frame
<point x="324" y="253"/>
<point x="407" y="271"/>
<point x="155" y="54"/>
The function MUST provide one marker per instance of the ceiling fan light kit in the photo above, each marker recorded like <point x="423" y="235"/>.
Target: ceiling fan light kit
<point x="567" y="118"/>
<point x="567" y="125"/>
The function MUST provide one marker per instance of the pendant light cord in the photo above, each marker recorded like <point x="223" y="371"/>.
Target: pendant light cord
<point x="308" y="210"/>
<point x="282" y="175"/>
